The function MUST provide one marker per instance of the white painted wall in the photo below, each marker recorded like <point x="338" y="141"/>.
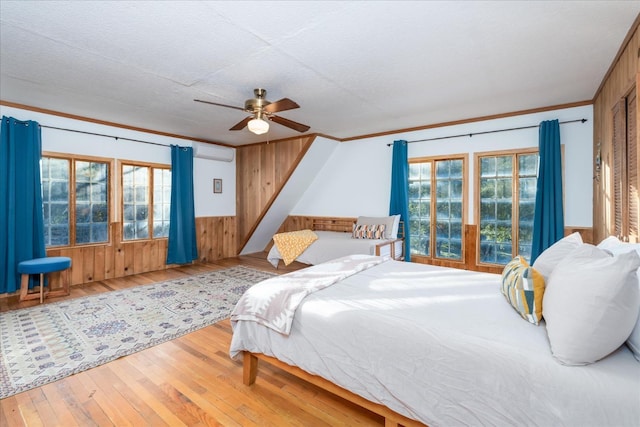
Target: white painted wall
<point x="206" y="202"/>
<point x="356" y="180"/>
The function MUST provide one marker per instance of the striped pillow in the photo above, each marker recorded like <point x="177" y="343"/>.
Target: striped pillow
<point x="368" y="231"/>
<point x="523" y="287"/>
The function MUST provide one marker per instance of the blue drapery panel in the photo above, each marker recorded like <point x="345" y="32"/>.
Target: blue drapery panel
<point x="548" y="220"/>
<point x="182" y="248"/>
<point x="399" y="203"/>
<point x="21" y="220"/>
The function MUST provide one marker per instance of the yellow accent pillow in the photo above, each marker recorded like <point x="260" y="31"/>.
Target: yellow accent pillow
<point x="523" y="287"/>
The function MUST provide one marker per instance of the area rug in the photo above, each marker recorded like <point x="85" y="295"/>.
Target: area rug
<point x="42" y="344"/>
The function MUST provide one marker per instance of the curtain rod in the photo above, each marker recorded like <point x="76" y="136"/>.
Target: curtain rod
<point x="488" y="131"/>
<point x="107" y="136"/>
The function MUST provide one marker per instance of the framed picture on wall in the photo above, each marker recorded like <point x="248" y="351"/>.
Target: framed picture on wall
<point x="217" y="185"/>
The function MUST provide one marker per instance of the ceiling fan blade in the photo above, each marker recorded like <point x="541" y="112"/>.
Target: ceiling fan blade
<point x="281" y="105"/>
<point x="220" y="105"/>
<point x="240" y="125"/>
<point x="289" y="123"/>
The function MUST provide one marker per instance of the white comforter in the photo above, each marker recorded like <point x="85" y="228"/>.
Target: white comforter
<point x="273" y="302"/>
<point x="444" y="347"/>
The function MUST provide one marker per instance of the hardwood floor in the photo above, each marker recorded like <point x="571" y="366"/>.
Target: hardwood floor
<point x="189" y="381"/>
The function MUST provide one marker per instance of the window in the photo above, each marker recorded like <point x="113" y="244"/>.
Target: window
<point x="161" y="202"/>
<point x="507" y="193"/>
<point x="436" y="218"/>
<point x="55" y="176"/>
<point x="92" y="219"/>
<point x="146" y="197"/>
<point x="87" y="208"/>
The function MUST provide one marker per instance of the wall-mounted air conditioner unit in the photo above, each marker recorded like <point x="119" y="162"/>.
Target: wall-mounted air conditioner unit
<point x="213" y="152"/>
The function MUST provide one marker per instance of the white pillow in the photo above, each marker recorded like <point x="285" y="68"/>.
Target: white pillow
<point x="550" y="257"/>
<point x="616" y="247"/>
<point x="391" y="224"/>
<point x="591" y="304"/>
<point x="609" y="243"/>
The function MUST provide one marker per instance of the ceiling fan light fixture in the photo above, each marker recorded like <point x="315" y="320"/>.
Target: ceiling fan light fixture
<point x="258" y="126"/>
<point x="262" y="110"/>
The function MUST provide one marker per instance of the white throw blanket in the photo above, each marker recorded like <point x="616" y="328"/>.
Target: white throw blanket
<point x="273" y="302"/>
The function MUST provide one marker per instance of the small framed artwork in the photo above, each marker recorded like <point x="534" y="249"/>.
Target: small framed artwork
<point x="217" y="185"/>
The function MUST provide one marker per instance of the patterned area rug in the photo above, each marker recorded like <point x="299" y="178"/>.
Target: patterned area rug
<point x="42" y="344"/>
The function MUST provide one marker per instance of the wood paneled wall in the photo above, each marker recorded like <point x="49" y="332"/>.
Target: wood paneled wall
<point x="623" y="75"/>
<point x="216" y="240"/>
<point x="261" y="172"/>
<point x="293" y="223"/>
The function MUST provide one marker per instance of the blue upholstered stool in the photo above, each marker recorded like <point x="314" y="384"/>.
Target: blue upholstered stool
<point x="42" y="266"/>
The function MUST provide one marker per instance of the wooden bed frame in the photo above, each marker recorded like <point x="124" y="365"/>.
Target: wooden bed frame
<point x="250" y="360"/>
<point x="345" y="225"/>
<point x="391" y="418"/>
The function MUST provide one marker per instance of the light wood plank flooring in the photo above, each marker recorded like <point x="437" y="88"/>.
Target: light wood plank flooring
<point x="190" y="381"/>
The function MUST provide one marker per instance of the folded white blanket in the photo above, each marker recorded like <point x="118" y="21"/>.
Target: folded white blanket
<point x="273" y="302"/>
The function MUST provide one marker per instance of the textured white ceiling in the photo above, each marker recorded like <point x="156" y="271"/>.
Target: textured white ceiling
<point x="355" y="68"/>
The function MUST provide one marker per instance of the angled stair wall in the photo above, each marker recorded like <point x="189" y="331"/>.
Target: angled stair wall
<point x="271" y="178"/>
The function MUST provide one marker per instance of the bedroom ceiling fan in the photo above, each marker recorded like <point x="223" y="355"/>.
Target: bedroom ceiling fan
<point x="262" y="110"/>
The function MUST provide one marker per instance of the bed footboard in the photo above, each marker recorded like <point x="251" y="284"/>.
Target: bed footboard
<point x="391" y="418"/>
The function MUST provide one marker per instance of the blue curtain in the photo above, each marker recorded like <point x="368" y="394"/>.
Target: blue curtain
<point x="21" y="220"/>
<point x="548" y="220"/>
<point x="399" y="203"/>
<point x="183" y="246"/>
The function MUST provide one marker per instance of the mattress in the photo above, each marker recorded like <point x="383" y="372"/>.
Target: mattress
<point x="443" y="346"/>
<point x="334" y="244"/>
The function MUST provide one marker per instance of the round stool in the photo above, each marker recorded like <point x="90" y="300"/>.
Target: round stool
<point x="42" y="266"/>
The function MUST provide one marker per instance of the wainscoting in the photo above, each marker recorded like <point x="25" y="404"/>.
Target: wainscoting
<point x="216" y="240"/>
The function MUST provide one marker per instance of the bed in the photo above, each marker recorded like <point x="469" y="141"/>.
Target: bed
<point x="334" y="240"/>
<point x="431" y="345"/>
